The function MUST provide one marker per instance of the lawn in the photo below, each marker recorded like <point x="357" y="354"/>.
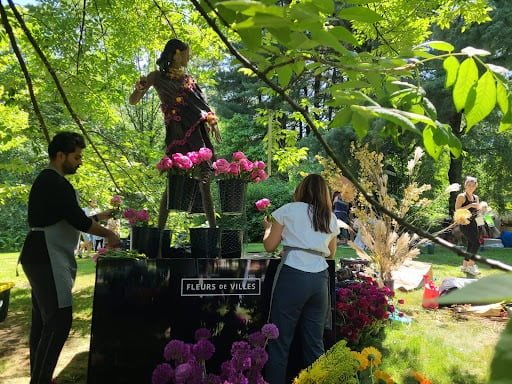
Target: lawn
<point x="446" y="346"/>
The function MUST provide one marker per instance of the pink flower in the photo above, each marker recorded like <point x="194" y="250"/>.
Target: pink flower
<point x="205" y="154"/>
<point x="116" y="201"/>
<point x="262" y="204"/>
<point x="194" y="157"/>
<point x="142" y="215"/>
<point x="238" y="156"/>
<point x="401" y="301"/>
<point x="182" y="162"/>
<point x="164" y="164"/>
<point x="220" y="166"/>
<point x="246" y="165"/>
<point x="259" y="164"/>
<point x="102" y="251"/>
<point x="129" y="213"/>
<point x="234" y="169"/>
<point x="258" y="175"/>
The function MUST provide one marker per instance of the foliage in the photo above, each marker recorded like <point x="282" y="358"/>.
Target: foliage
<point x="335" y="366"/>
<point x="279" y="192"/>
<point x="362" y="310"/>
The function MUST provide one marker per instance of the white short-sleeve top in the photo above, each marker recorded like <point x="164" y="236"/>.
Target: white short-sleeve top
<point x="298" y="232"/>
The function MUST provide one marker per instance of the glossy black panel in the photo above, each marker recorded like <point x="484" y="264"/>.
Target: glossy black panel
<point x="140" y="305"/>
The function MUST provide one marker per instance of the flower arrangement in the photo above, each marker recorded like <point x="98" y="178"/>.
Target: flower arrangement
<point x="186" y="362"/>
<point x="381" y="239"/>
<point x="116" y="202"/>
<point x="111" y="253"/>
<point x="362" y="309"/>
<point x="337" y="365"/>
<point x="140" y="217"/>
<point x="263" y="205"/>
<point x="367" y="373"/>
<point x="184" y="164"/>
<point x="240" y="168"/>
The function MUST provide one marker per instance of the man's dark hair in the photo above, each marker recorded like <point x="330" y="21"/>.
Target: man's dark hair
<point x="65" y="142"/>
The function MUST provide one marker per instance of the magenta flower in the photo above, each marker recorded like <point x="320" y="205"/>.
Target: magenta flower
<point x="257" y="339"/>
<point x="239" y="156"/>
<point x="194" y="157"/>
<point x="259" y="165"/>
<point x="246" y="165"/>
<point x="182" y="373"/>
<point x="164" y="164"/>
<point x="205" y="154"/>
<point x="162" y="374"/>
<point x="177" y="350"/>
<point x="129" y="213"/>
<point x="262" y="204"/>
<point x="270" y="331"/>
<point x="401" y="301"/>
<point x="203" y="350"/>
<point x="202" y="334"/>
<point x="142" y="216"/>
<point x="234" y="169"/>
<point x="116" y="201"/>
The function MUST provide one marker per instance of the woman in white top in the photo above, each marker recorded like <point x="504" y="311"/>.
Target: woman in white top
<point x="307" y="228"/>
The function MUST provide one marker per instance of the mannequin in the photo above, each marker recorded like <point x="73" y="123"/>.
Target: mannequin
<point x="189" y="120"/>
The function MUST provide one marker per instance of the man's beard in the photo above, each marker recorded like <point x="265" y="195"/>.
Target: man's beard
<point x="68" y="168"/>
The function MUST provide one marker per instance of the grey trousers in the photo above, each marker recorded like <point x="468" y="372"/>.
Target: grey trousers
<point x="299" y="298"/>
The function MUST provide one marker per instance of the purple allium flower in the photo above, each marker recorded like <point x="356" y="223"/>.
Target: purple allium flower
<point x="242" y="362"/>
<point x="227" y="369"/>
<point x="259" y="357"/>
<point x="257" y="339"/>
<point x="270" y="331"/>
<point x="203" y="350"/>
<point x="183" y="373"/>
<point x="202" y="334"/>
<point x="162" y="374"/>
<point x="240" y="348"/>
<point x="238" y="379"/>
<point x="177" y="350"/>
<point x="212" y="379"/>
<point x="255" y="377"/>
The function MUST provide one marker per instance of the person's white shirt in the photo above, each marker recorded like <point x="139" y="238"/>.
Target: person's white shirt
<point x="298" y="232"/>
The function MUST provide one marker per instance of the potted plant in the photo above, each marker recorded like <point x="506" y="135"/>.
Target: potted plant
<point x="153" y="242"/>
<point x="182" y="171"/>
<point x="233" y="178"/>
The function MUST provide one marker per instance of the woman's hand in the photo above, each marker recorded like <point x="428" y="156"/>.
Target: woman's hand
<point x="267" y="223"/>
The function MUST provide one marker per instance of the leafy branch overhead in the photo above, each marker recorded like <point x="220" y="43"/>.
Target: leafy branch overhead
<point x="320" y="38"/>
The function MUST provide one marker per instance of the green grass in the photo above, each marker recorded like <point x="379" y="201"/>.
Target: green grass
<point x="445" y="346"/>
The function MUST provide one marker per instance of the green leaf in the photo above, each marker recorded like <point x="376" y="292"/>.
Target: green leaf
<point x="261" y="21"/>
<point x="439" y="45"/>
<point x="467" y="76"/>
<point x="487" y="290"/>
<point x="281" y="34"/>
<point x="416" y="118"/>
<point x="326" y="38"/>
<point x="305" y="13"/>
<point x="432" y="148"/>
<point x="342" y="118"/>
<point x="502" y="97"/>
<point x="251" y="37"/>
<point x="451" y="66"/>
<point x="361" y="14"/>
<point x="395" y="117"/>
<point x="359" y="123"/>
<point x="485" y="100"/>
<point x="430" y="108"/>
<point x="502" y="360"/>
<point x="326" y="6"/>
<point x="344" y="34"/>
<point x="284" y="74"/>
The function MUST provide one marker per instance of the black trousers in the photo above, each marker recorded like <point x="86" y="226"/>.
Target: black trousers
<point x="50" y="324"/>
<point x="472" y="236"/>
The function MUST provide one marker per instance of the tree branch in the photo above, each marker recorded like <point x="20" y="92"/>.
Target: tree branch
<point x="51" y="71"/>
<point x="28" y="79"/>
<point x="346" y="171"/>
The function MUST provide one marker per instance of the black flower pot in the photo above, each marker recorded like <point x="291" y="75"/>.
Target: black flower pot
<point x="231" y="243"/>
<point x="153" y="242"/>
<point x="181" y="192"/>
<point x="204" y="242"/>
<point x="232" y="195"/>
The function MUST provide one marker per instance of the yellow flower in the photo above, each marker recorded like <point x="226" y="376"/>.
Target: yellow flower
<point x="461" y="216"/>
<point x="382" y="377"/>
<point x="363" y="361"/>
<point x="373" y="356"/>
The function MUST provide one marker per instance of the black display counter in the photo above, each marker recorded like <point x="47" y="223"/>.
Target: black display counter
<point x="139" y="305"/>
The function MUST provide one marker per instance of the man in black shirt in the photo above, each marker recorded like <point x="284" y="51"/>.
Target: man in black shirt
<point x="55" y="220"/>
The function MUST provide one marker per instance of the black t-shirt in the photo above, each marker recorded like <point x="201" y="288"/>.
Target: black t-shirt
<point x="52" y="199"/>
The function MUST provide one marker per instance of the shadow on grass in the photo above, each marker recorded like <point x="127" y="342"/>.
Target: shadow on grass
<point x="76" y="371"/>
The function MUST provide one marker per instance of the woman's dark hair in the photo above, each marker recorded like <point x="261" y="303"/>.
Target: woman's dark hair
<point x="313" y="190"/>
<point x="65" y="142"/>
<point x="165" y="59"/>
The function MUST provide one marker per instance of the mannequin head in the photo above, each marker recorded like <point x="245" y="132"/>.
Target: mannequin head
<point x="175" y="55"/>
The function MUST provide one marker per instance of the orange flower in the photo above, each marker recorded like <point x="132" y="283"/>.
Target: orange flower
<point x="363" y="361"/>
<point x="382" y="377"/>
<point x="420" y="378"/>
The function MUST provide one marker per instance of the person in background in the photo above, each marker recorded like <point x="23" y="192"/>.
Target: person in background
<point x="47" y="257"/>
<point x="341" y="210"/>
<point x="307" y="229"/>
<point x="469" y="200"/>
<point x="189" y="120"/>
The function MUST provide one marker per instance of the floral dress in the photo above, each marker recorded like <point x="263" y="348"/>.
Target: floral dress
<point x="187" y="115"/>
